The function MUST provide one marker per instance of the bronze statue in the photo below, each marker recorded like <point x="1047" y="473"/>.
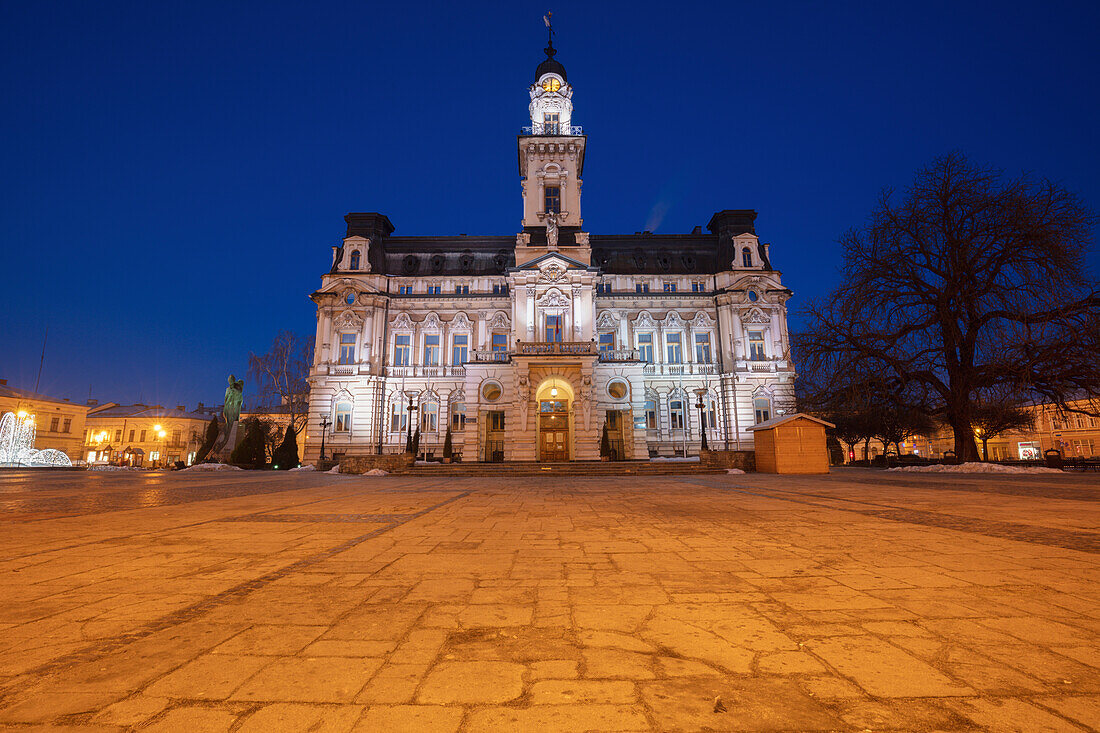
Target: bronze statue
<point x="234" y="398"/>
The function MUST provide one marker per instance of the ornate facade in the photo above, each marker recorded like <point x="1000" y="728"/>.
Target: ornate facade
<point x="526" y="346"/>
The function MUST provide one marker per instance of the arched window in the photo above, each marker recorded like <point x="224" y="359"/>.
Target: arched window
<point x="399" y="414"/>
<point x="429" y="416"/>
<point x="676" y="414"/>
<point x="458" y="416"/>
<point x="343" y="418"/>
<point x="746" y="257"/>
<point x="355" y="260"/>
<point x="762" y="406"/>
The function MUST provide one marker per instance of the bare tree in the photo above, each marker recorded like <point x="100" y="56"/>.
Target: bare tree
<point x="281" y="376"/>
<point x="971" y="283"/>
<point x="995" y="417"/>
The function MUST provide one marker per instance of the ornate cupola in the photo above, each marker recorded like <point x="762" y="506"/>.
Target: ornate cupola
<point x="551" y="98"/>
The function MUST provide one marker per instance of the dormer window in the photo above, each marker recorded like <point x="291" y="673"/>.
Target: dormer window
<point x="746" y="257"/>
<point x="355" y="260"/>
<point x="551" y="124"/>
<point x="551" y="199"/>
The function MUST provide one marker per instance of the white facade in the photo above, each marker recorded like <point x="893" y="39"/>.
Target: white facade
<point x="527" y="346"/>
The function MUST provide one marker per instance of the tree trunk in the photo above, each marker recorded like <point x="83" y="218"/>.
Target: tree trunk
<point x="985" y="449"/>
<point x="966" y="449"/>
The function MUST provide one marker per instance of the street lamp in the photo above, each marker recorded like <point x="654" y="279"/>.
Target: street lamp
<point x="161" y="432"/>
<point x="324" y="426"/>
<point x="409" y="425"/>
<point x="700" y="391"/>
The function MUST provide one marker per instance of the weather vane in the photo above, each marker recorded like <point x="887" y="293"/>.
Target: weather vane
<point x="548" y="19"/>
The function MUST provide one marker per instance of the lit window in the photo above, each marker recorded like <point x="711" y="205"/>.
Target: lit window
<point x="347" y="348"/>
<point x="553" y="329"/>
<point x="676" y="414"/>
<point x="399" y="414"/>
<point x="401" y="350"/>
<point x="458" y="416"/>
<point x="496" y="421"/>
<point x="500" y="342"/>
<point x="551" y="199"/>
<point x="462" y="289"/>
<point x="607" y="342"/>
<point x="670" y="287"/>
<point x="355" y="261"/>
<point x="491" y="391"/>
<point x="551" y="123"/>
<point x="651" y="414"/>
<point x="343" y="417"/>
<point x="641" y="287"/>
<point x="746" y="257"/>
<point x="672" y="348"/>
<point x="431" y="350"/>
<point x="404" y="289"/>
<point x="645" y="347"/>
<point x="429" y="417"/>
<point x="459" y="347"/>
<point x="702" y="348"/>
<point x="618" y="390"/>
<point x="756" y="345"/>
<point x="763" y="409"/>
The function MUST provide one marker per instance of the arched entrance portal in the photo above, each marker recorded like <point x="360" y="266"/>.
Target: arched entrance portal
<point x="555" y="398"/>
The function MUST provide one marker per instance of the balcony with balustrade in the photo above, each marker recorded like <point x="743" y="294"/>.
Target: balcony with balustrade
<point x="425" y="371"/>
<point x="678" y="370"/>
<point x="551" y="129"/>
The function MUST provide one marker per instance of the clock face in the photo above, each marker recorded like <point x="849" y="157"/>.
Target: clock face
<point x="551" y="85"/>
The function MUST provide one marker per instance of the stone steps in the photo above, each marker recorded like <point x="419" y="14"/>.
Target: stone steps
<point x="572" y="468"/>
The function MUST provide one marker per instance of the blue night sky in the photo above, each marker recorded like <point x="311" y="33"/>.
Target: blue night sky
<point x="174" y="174"/>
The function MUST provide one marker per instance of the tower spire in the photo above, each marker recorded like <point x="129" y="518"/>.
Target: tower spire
<point x="548" y="19"/>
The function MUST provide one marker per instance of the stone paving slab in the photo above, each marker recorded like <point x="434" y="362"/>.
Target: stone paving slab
<point x="862" y="600"/>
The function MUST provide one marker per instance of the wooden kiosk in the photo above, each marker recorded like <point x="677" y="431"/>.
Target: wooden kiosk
<point x="791" y="444"/>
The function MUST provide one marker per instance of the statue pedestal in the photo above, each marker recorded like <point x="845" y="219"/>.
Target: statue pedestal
<point x="222" y="454"/>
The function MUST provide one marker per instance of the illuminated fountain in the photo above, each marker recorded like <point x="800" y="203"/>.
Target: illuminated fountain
<point x="17" y="444"/>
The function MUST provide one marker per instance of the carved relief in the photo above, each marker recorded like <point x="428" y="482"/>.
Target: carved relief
<point x="644" y="320"/>
<point x="673" y="320"/>
<point x="552" y="273"/>
<point x="403" y="321"/>
<point x="460" y="321"/>
<point x="702" y="320"/>
<point x="607" y="320"/>
<point x="553" y="298"/>
<point x="431" y="321"/>
<point x="756" y="315"/>
<point x="499" y="321"/>
<point x="348" y="320"/>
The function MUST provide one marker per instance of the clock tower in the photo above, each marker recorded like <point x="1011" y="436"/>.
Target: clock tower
<point x="551" y="162"/>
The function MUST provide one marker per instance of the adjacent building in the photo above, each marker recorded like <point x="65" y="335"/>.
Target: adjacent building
<point x="58" y="422"/>
<point x="144" y="435"/>
<point x="525" y="346"/>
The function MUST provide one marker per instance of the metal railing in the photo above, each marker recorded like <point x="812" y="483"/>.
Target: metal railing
<point x="544" y="129"/>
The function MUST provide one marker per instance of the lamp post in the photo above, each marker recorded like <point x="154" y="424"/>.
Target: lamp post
<point x="702" y="417"/>
<point x="409" y="425"/>
<point x="324" y="426"/>
<point x="160" y="433"/>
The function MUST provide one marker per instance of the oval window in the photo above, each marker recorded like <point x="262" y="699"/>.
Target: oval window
<point x="349" y="298"/>
<point x="753" y="296"/>
<point x="491" y="391"/>
<point x="617" y="390"/>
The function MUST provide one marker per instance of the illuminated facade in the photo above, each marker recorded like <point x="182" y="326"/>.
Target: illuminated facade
<point x="526" y="346"/>
<point x="58" y="423"/>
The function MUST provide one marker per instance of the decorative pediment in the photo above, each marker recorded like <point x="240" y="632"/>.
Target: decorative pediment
<point x="460" y="321"/>
<point x="552" y="272"/>
<point x="348" y="320"/>
<point x="553" y="298"/>
<point x="458" y="395"/>
<point x="431" y="321"/>
<point x="702" y="320"/>
<point x="607" y="320"/>
<point x="755" y="315"/>
<point x="403" y="321"/>
<point x="644" y="320"/>
<point x="499" y="320"/>
<point x="673" y="320"/>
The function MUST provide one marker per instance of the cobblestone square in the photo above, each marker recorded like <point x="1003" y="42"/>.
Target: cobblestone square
<point x="266" y="601"/>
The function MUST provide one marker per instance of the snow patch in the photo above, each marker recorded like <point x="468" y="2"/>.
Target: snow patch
<point x="334" y="470"/>
<point x="734" y="470"/>
<point x="213" y="467"/>
<point x="670" y="459"/>
<point x="307" y="467"/>
<point x="376" y="472"/>
<point x="115" y="468"/>
<point x="975" y="468"/>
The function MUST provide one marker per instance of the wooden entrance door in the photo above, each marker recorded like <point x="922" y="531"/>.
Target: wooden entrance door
<point x="553" y="431"/>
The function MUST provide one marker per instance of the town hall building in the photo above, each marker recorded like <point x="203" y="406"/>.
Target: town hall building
<point x="525" y="346"/>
